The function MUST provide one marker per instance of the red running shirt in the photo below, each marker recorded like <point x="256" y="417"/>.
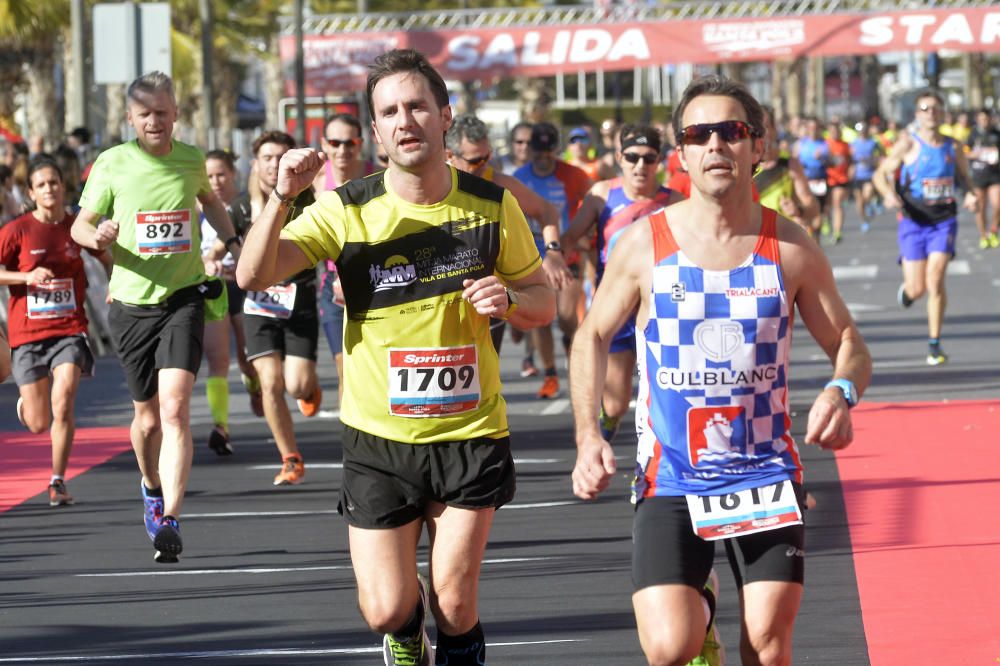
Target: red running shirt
<point x="56" y="310"/>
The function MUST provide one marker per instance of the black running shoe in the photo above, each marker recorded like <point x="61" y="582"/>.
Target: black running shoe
<point x="167" y="541"/>
<point x="218" y="441"/>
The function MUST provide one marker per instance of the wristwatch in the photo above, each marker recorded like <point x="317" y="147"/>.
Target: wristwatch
<point x="847" y="388"/>
<point x="511" y="303"/>
<point x="553" y="246"/>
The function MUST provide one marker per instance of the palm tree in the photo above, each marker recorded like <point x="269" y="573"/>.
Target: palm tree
<point x="29" y="35"/>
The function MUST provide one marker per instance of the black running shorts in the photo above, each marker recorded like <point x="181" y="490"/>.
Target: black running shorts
<point x="665" y="549"/>
<point x="155" y="337"/>
<point x="296" y="336"/>
<point x="389" y="484"/>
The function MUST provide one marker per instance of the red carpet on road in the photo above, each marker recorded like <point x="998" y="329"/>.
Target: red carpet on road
<point x="26" y="460"/>
<point x="921" y="484"/>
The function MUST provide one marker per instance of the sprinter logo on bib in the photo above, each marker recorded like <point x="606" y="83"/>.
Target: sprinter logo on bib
<point x="163" y="232"/>
<point x="438" y="381"/>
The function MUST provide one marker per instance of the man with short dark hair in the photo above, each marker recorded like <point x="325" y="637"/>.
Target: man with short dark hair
<point x="426" y="255"/>
<point x="930" y="166"/>
<point x="715" y="281"/>
<point x="281" y="322"/>
<point x="150" y="186"/>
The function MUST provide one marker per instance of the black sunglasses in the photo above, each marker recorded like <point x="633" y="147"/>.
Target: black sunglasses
<point x="337" y="143"/>
<point x="647" y="158"/>
<point x="475" y="161"/>
<point x="729" y="131"/>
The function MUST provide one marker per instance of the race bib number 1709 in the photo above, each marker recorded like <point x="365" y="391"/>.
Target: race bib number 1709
<point x="436" y="381"/>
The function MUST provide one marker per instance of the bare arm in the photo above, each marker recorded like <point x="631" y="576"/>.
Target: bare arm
<point x="586" y="218"/>
<point x="536" y="301"/>
<point x="268" y="259"/>
<point x="217" y="216"/>
<point x="4" y="356"/>
<point x="614" y="302"/>
<point x="971" y="202"/>
<point x="826" y="316"/>
<point x="36" y="276"/>
<point x="537" y="208"/>
<point x="90" y="232"/>
<point x="884" y="179"/>
<point x="808" y="206"/>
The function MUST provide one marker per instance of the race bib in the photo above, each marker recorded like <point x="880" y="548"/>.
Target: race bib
<point x="716" y="517"/>
<point x="817" y="187"/>
<point x="52" y="300"/>
<point x="938" y="190"/>
<point x="163" y="232"/>
<point x="436" y="381"/>
<point x="275" y="302"/>
<point x="989" y="155"/>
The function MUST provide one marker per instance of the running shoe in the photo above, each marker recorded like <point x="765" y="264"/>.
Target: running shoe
<point x="252" y="385"/>
<point x="984" y="243"/>
<point x="609" y="425"/>
<point x="218" y="441"/>
<point x="824" y="229"/>
<point x="865" y="227"/>
<point x="994" y="241"/>
<point x="550" y="388"/>
<point x="528" y="368"/>
<point x="935" y="356"/>
<point x="167" y="541"/>
<point x="837" y="237"/>
<point x="903" y="298"/>
<point x="310" y="406"/>
<point x="152" y="511"/>
<point x="713" y="653"/>
<point x="58" y="494"/>
<point x="416" y="651"/>
<point x="19" y="408"/>
<point x="293" y="471"/>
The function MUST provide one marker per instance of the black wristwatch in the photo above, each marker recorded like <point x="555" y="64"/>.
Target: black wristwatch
<point x="234" y="239"/>
<point x="553" y="246"/>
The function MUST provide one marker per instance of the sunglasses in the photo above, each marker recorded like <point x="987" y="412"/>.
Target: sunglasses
<point x="337" y="143"/>
<point x="929" y="107"/>
<point x="729" y="131"/>
<point x="647" y="158"/>
<point x="475" y="161"/>
<point x="579" y="139"/>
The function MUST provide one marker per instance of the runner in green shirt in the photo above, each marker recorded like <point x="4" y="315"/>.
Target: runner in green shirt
<point x="148" y="188"/>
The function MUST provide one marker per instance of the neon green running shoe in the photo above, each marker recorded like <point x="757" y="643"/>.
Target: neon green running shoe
<point x="415" y="651"/>
<point x="713" y="653"/>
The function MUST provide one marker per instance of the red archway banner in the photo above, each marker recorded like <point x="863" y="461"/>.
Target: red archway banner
<point x="339" y="62"/>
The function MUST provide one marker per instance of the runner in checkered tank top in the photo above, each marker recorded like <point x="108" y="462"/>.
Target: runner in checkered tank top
<point x="715" y="282"/>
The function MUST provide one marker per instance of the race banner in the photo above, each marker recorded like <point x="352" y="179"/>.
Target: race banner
<point x="337" y="63"/>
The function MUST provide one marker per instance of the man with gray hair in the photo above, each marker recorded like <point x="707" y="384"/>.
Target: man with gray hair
<point x="151" y="188"/>
<point x="468" y="149"/>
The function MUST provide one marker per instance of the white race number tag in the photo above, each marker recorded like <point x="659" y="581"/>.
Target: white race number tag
<point x="745" y="512"/>
<point x="163" y="232"/>
<point x="275" y="302"/>
<point x="817" y="187"/>
<point x="51" y="300"/>
<point x="938" y="190"/>
<point x="437" y="381"/>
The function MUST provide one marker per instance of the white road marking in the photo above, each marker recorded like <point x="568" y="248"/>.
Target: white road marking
<point x="863" y="272"/>
<point x="557" y="407"/>
<point x="263" y="652"/>
<point x="865" y="307"/>
<point x="328" y="414"/>
<point x="271" y="570"/>
<point x="959" y="267"/>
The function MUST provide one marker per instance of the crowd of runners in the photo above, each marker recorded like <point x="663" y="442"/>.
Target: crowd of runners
<point x="640" y="243"/>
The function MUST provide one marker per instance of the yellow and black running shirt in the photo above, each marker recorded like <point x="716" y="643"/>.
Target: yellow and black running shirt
<point x="418" y="360"/>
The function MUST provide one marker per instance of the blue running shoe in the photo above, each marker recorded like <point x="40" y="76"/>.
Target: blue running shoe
<point x="167" y="541"/>
<point x="152" y="511"/>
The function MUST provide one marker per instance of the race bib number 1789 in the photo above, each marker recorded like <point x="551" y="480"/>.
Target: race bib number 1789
<point x="435" y="381"/>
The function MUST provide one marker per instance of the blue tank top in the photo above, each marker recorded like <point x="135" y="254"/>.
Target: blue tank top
<point x="712" y="414"/>
<point x="927" y="186"/>
<point x="863" y="154"/>
<point x="814" y="155"/>
<point x="618" y="213"/>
